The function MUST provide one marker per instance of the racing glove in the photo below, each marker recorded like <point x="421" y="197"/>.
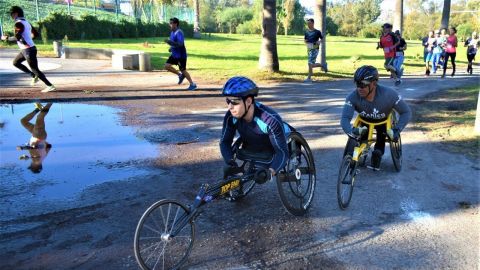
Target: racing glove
<point x="359" y="131"/>
<point x="393" y="134"/>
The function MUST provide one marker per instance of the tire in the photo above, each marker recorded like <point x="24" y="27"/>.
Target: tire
<point x="396" y="147"/>
<point x="396" y="153"/>
<point x="152" y="250"/>
<point x="347" y="173"/>
<point x="296" y="185"/>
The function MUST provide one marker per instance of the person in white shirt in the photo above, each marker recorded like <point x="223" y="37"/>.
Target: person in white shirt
<point x="28" y="50"/>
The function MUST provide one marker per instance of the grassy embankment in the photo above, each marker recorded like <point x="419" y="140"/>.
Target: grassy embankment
<point x="448" y="117"/>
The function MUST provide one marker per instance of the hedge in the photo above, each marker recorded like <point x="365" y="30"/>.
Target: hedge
<point x="59" y="24"/>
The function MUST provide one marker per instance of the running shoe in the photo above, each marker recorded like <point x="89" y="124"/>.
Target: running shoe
<point x="398" y="82"/>
<point x="34" y="81"/>
<point x="375" y="160"/>
<point x="192" y="87"/>
<point x="307" y="80"/>
<point x="50" y="88"/>
<point x="38" y="106"/>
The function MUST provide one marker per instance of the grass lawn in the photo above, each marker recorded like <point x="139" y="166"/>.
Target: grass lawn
<point x="222" y="55"/>
<point x="448" y="117"/>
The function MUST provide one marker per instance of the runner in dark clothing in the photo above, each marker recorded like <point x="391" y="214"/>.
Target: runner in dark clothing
<point x="23" y="37"/>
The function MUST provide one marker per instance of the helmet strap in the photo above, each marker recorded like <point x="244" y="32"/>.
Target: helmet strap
<point x="246" y="109"/>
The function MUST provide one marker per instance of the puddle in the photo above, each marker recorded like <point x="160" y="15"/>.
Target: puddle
<point x="89" y="146"/>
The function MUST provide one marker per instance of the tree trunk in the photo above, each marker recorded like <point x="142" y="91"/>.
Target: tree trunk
<point x="196" y="23"/>
<point x="445" y="14"/>
<point x="268" y="51"/>
<point x="320" y="13"/>
<point x="398" y="16"/>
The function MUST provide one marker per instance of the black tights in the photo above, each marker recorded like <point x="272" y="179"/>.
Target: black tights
<point x="452" y="55"/>
<point x="30" y="54"/>
<point x="470" y="58"/>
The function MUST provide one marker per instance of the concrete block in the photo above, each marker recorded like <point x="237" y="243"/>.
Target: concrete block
<point x="120" y="61"/>
<point x="144" y="63"/>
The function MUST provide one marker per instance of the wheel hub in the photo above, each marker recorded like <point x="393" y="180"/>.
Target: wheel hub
<point x="165" y="237"/>
<point x="298" y="174"/>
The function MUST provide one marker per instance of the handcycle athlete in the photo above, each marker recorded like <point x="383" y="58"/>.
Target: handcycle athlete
<point x="373" y="103"/>
<point x="266" y="147"/>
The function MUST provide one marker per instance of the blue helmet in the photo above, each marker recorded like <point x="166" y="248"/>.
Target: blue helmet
<point x="240" y="87"/>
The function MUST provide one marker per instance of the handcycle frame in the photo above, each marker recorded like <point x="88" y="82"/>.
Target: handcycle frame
<point x="290" y="174"/>
<point x="349" y="166"/>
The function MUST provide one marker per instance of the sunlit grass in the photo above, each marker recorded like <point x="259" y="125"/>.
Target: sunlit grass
<point x="221" y="56"/>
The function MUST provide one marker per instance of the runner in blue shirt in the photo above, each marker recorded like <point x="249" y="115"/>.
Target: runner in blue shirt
<point x="313" y="39"/>
<point x="178" y="54"/>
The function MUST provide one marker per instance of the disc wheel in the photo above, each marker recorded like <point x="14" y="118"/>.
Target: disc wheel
<point x="346" y="177"/>
<point x="155" y="248"/>
<point x="296" y="182"/>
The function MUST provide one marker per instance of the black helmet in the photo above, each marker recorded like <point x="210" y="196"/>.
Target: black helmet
<point x="240" y="87"/>
<point x="365" y="73"/>
<point x="16" y="9"/>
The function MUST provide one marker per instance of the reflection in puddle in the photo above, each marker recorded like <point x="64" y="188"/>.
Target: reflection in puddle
<point x="88" y="146"/>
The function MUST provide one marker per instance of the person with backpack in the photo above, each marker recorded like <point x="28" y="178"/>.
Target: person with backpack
<point x="389" y="42"/>
<point x="28" y="50"/>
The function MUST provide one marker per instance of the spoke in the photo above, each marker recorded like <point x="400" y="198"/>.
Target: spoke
<point x="153" y="253"/>
<point x="168" y="217"/>
<point x="149" y="247"/>
<point x="150" y="237"/>
<point x="163" y="218"/>
<point x="152" y="229"/>
<point x="174" y="220"/>
<point x="162" y="255"/>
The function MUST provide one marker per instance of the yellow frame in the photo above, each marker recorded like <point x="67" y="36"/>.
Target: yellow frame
<point x="358" y="150"/>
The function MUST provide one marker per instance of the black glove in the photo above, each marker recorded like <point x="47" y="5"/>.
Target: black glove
<point x="230" y="169"/>
<point x="359" y="131"/>
<point x="262" y="176"/>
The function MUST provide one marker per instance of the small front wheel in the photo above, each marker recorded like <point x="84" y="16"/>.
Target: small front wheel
<point x="296" y="182"/>
<point x="346" y="177"/>
<point x="154" y="245"/>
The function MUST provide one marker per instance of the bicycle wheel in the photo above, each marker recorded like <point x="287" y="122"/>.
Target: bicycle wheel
<point x="396" y="153"/>
<point x="296" y="182"/>
<point x="346" y="177"/>
<point x="154" y="248"/>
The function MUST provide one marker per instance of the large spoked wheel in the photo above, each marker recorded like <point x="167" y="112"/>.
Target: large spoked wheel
<point x="154" y="247"/>
<point x="396" y="153"/>
<point x="346" y="177"/>
<point x="296" y="182"/>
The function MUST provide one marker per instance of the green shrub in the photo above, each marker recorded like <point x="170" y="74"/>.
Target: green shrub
<point x="249" y="27"/>
<point x="87" y="26"/>
<point x="373" y="30"/>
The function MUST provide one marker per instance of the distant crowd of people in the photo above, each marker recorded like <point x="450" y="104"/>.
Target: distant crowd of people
<point x="440" y="46"/>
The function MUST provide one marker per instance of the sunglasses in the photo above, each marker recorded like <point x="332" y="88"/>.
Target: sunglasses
<point x="233" y="101"/>
<point x="362" y="84"/>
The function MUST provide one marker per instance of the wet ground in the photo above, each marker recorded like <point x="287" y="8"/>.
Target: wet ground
<point x="423" y="217"/>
